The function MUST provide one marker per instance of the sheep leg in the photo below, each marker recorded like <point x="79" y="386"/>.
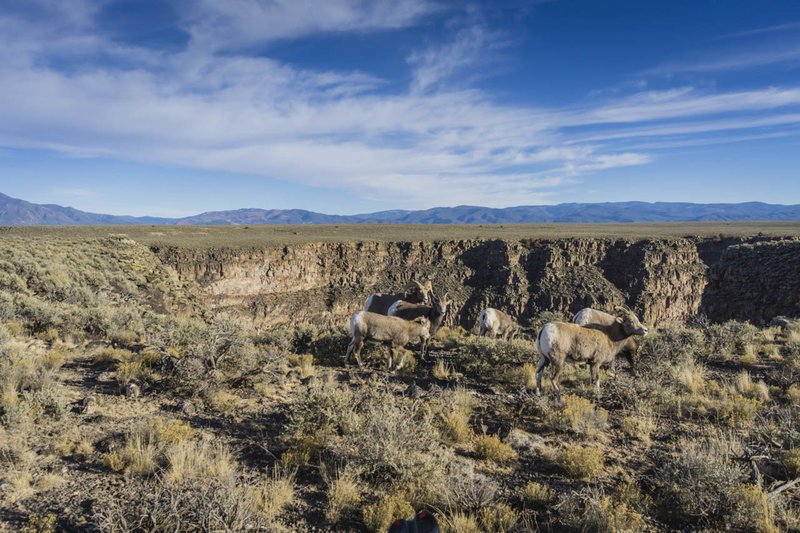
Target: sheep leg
<point x="391" y="357"/>
<point x="483" y="330"/>
<point x="543" y="362"/>
<point x="554" y="378"/>
<point x="595" y="372"/>
<point x="402" y="359"/>
<point x="355" y="348"/>
<point x="350" y="348"/>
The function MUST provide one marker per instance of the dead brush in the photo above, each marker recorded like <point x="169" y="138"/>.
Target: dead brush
<point x="578" y="416"/>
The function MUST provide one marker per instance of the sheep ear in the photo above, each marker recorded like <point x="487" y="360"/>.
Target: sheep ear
<point x="618" y="320"/>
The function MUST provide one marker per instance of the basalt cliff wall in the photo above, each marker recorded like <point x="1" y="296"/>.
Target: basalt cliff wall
<point x="664" y="280"/>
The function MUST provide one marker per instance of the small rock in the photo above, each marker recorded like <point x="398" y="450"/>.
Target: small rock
<point x="186" y="407"/>
<point x="89" y="405"/>
<point x="132" y="390"/>
<point x="414" y="390"/>
<point x="781" y="321"/>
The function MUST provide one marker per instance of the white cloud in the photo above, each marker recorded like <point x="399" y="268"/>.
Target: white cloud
<point x="432" y="144"/>
<point x="233" y="24"/>
<point x="468" y="53"/>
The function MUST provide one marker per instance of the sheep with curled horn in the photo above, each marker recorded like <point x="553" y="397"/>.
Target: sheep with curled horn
<point x="416" y="293"/>
<point x="558" y="342"/>
<point x="390" y="330"/>
<point x="594" y="318"/>
<point x="434" y="313"/>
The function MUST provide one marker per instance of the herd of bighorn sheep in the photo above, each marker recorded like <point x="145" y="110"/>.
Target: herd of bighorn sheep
<point x="593" y="337"/>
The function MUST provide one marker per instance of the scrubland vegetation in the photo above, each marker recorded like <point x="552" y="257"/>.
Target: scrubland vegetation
<point x="127" y="406"/>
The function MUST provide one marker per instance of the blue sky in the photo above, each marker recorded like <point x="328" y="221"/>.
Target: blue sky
<point x="171" y="108"/>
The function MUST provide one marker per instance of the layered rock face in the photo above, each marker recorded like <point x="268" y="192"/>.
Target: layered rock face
<point x="664" y="280"/>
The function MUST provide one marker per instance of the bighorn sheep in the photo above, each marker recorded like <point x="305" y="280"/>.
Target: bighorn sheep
<point x="592" y="318"/>
<point x="559" y="341"/>
<point x="416" y="292"/>
<point x="390" y="330"/>
<point x="497" y="323"/>
<point x="434" y="313"/>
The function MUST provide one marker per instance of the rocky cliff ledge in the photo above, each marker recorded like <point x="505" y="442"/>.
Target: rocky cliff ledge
<point x="665" y="280"/>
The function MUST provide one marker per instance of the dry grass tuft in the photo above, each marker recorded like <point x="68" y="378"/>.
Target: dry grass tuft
<point x="581" y="462"/>
<point x="277" y="493"/>
<point x="529" y="376"/>
<point x="442" y="370"/>
<point x="491" y="448"/>
<point x="537" y="495"/>
<point x="344" y="494"/>
<point x="455" y="426"/>
<point x="378" y="516"/>
<point x="578" y="416"/>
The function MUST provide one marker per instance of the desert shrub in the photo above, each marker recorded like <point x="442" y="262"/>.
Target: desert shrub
<point x="391" y="439"/>
<point x="303" y="337"/>
<point x="344" y="493"/>
<point x="581" y="462"/>
<point x="459" y="522"/>
<point x="673" y="344"/>
<point x="280" y="337"/>
<point x="592" y="510"/>
<point x="528" y="376"/>
<point x="454" y="426"/>
<point x="461" y="488"/>
<point x="187" y="459"/>
<point x="321" y="409"/>
<point x="499" y="518"/>
<point x="330" y="346"/>
<point x="752" y="510"/>
<point x="442" y="369"/>
<point x="738" y="411"/>
<point x="791" y="461"/>
<point x="303" y="363"/>
<point x="162" y="444"/>
<point x="793" y="394"/>
<point x="277" y="493"/>
<point x="41" y="524"/>
<point x="484" y="355"/>
<point x="50" y="403"/>
<point x="450" y="337"/>
<point x="221" y="401"/>
<point x="491" y="448"/>
<point x="537" y="496"/>
<point x="729" y="337"/>
<point x="579" y="416"/>
<point x="703" y="477"/>
<point x="639" y="426"/>
<point x="34" y="406"/>
<point x="379" y="515"/>
<point x="747" y="387"/>
<point x="108" y="356"/>
<point x="190" y="505"/>
<point x="749" y="355"/>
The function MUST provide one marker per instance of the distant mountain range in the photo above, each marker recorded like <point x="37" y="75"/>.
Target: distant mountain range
<point x="15" y="212"/>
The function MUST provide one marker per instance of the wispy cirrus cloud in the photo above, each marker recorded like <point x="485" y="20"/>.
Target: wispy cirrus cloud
<point x="235" y="24"/>
<point x="787" y="26"/>
<point x="215" y="105"/>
